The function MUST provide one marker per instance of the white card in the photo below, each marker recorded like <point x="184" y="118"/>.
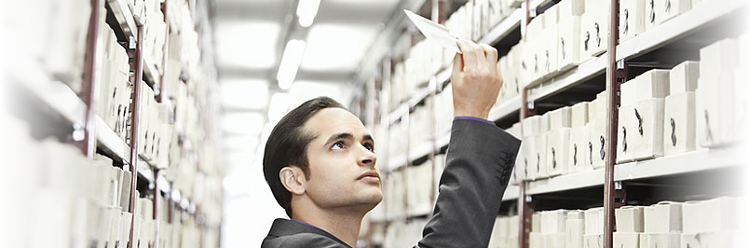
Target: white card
<point x="435" y="32"/>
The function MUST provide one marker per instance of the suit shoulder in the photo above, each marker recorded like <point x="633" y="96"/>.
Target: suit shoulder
<point x="301" y="240"/>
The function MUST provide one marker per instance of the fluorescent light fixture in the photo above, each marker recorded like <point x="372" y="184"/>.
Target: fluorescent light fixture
<point x="245" y="94"/>
<point x="306" y="11"/>
<point x="329" y="50"/>
<point x="290" y="61"/>
<point x="250" y="123"/>
<point x="246" y="44"/>
<point x="278" y="108"/>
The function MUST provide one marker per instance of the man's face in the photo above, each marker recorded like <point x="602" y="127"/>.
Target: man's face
<point x="343" y="172"/>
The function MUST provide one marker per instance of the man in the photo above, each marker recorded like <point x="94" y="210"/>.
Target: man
<point x="321" y="167"/>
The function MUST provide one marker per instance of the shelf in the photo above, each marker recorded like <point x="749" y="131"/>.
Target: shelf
<point x="505" y="109"/>
<point x="566" y="182"/>
<point x="573" y="77"/>
<point x="124" y="17"/>
<point x="511" y="193"/>
<point x="21" y="71"/>
<point x="421" y="151"/>
<point x="443" y="140"/>
<point x="399" y="112"/>
<point x="396" y="162"/>
<point x="144" y="170"/>
<point x="503" y="28"/>
<point x="677" y="28"/>
<point x="108" y="140"/>
<point x="695" y="161"/>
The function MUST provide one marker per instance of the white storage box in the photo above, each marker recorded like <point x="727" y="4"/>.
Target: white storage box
<point x="720" y="214"/>
<point x="536" y="222"/>
<point x="593" y="241"/>
<point x="641" y="130"/>
<point x="742" y="103"/>
<point x="595" y="27"/>
<point x="574" y="233"/>
<point x="629" y="219"/>
<point x="560" y="118"/>
<point x="659" y="240"/>
<point x="715" y="109"/>
<point x="668" y="9"/>
<point x="554" y="240"/>
<point x="684" y="77"/>
<point x="550" y="35"/>
<point x="652" y="84"/>
<point x="632" y="18"/>
<point x="721" y="239"/>
<point x="536" y="240"/>
<point x="577" y="151"/>
<point x="663" y="217"/>
<point x="558" y="145"/>
<point x="553" y="222"/>
<point x="538" y="157"/>
<point x="579" y="114"/>
<point x="692" y="217"/>
<point x="596" y="148"/>
<point x="719" y="57"/>
<point x="625" y="240"/>
<point x="572" y="7"/>
<point x="690" y="240"/>
<point x="594" y="218"/>
<point x="569" y="42"/>
<point x="629" y="92"/>
<point x="679" y="123"/>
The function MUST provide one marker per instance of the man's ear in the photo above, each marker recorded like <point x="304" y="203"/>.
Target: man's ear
<point x="293" y="179"/>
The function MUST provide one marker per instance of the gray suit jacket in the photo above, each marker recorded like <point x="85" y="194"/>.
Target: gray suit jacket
<point x="478" y="167"/>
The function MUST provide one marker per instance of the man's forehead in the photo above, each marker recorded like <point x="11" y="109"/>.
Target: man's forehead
<point x="331" y="121"/>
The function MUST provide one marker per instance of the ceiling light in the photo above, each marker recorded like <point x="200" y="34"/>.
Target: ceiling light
<point x="342" y="53"/>
<point x="290" y="61"/>
<point x="246" y="44"/>
<point x="306" y="11"/>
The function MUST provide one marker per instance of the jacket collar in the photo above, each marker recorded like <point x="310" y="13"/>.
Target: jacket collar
<point x="285" y="227"/>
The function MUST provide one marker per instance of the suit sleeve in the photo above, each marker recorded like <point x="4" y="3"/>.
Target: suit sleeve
<point x="478" y="167"/>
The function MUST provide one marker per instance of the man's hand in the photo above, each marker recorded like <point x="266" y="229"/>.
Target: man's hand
<point x="476" y="80"/>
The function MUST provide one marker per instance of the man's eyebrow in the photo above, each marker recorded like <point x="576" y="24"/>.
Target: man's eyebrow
<point x="339" y="136"/>
<point x="368" y="137"/>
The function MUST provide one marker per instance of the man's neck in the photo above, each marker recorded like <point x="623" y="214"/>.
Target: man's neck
<point x="344" y="224"/>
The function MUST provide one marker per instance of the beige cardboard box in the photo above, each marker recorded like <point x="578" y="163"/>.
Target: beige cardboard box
<point x="743" y="212"/>
<point x="593" y="241"/>
<point x="715" y="112"/>
<point x="684" y="77"/>
<point x="692" y="217"/>
<point x="679" y="123"/>
<point x="629" y="219"/>
<point x="632" y="19"/>
<point x="553" y="222"/>
<point x="663" y="217"/>
<point x="625" y="240"/>
<point x="574" y="233"/>
<point x="558" y="145"/>
<point x="690" y="240"/>
<point x="659" y="240"/>
<point x="536" y="240"/>
<point x="594" y="218"/>
<point x="720" y="214"/>
<point x="554" y="240"/>
<point x="625" y="133"/>
<point x="536" y="222"/>
<point x="719" y="57"/>
<point x="741" y="102"/>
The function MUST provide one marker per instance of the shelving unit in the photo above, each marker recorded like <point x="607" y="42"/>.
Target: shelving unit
<point x="78" y="112"/>
<point x="681" y="33"/>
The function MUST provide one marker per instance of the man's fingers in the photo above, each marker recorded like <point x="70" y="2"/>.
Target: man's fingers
<point x="490" y="53"/>
<point x="468" y="50"/>
<point x="458" y="64"/>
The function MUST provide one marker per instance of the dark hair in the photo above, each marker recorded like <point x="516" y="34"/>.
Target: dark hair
<point x="287" y="145"/>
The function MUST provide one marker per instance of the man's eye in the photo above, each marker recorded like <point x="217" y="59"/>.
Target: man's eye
<point x="369" y="147"/>
<point x="338" y="145"/>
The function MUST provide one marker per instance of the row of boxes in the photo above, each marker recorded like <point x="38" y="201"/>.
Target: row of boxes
<point x="42" y="28"/>
<point x="640" y="16"/>
<point x="401" y="234"/>
<point x="421" y="124"/>
<point x="562" y="37"/>
<point x="419" y="187"/>
<point x="709" y="223"/>
<point x="114" y="83"/>
<point x="475" y="19"/>
<point x="566" y="228"/>
<point x="505" y="232"/>
<point x="564" y="141"/>
<point x="444" y="112"/>
<point x="155" y="34"/>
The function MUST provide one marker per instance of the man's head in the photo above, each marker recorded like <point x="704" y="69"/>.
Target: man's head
<point x="322" y="152"/>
